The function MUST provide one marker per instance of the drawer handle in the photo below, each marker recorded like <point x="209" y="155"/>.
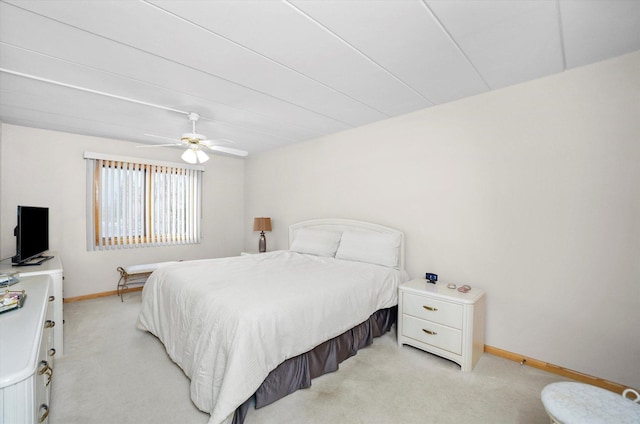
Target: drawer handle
<point x="431" y="333"/>
<point x="45" y="414"/>
<point x="52" y="352"/>
<point x="52" y="298"/>
<point x="430" y="308"/>
<point x="49" y="324"/>
<point x="46" y="369"/>
<point x="45" y="366"/>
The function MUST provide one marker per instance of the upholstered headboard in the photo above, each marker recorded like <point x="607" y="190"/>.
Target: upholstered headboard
<point x="339" y="224"/>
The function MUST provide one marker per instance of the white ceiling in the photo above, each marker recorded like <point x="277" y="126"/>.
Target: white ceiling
<point x="269" y="73"/>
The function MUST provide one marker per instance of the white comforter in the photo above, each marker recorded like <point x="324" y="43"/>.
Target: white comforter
<point x="228" y="322"/>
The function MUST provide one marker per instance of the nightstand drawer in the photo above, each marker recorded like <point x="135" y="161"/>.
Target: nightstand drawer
<point x="438" y="311"/>
<point x="433" y="334"/>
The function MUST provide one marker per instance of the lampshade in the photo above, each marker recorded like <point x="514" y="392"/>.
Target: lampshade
<point x="202" y="156"/>
<point x="261" y="224"/>
<point x="189" y="156"/>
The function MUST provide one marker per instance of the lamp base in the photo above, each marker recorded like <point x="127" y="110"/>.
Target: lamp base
<point x="262" y="244"/>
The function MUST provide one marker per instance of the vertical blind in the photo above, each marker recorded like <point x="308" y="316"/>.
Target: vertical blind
<point x="134" y="204"/>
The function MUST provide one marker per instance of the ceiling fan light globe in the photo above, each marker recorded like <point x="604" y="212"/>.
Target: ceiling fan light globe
<point x="202" y="156"/>
<point x="190" y="156"/>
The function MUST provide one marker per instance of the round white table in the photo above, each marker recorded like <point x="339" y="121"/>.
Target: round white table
<point x="578" y="403"/>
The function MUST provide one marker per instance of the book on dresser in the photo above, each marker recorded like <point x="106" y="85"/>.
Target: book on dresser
<point x="8" y="278"/>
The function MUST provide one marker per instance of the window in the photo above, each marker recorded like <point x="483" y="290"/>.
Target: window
<point x="141" y="204"/>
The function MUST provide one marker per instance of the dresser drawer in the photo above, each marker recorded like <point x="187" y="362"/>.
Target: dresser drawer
<point x="433" y="334"/>
<point x="434" y="310"/>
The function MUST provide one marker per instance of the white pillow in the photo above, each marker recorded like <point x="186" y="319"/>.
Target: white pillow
<point x="316" y="242"/>
<point x="375" y="248"/>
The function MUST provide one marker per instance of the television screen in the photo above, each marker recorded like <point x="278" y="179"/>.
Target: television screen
<point x="32" y="233"/>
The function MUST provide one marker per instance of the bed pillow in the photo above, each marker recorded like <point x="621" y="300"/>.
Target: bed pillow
<point x="376" y="248"/>
<point x="316" y="242"/>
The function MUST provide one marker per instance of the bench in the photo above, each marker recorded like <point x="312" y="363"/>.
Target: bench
<point x="136" y="274"/>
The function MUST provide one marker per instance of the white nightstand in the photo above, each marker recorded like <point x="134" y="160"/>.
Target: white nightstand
<point x="442" y="321"/>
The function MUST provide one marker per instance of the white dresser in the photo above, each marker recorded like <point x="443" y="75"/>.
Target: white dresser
<point x="442" y="321"/>
<point x="52" y="268"/>
<point x="26" y="354"/>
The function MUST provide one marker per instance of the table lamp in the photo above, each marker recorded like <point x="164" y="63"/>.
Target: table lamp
<point x="262" y="224"/>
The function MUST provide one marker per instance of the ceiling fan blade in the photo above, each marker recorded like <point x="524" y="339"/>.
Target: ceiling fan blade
<point x="229" y="150"/>
<point x="216" y="141"/>
<point x="162" y="145"/>
<point x="162" y="137"/>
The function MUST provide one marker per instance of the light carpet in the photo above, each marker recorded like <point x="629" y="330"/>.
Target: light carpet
<point x="114" y="373"/>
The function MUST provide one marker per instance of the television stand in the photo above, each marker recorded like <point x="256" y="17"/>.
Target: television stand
<point x="38" y="260"/>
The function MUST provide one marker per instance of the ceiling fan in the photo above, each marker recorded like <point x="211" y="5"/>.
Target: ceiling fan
<point x="197" y="143"/>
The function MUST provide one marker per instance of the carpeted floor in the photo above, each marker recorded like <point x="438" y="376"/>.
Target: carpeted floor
<point x="114" y="373"/>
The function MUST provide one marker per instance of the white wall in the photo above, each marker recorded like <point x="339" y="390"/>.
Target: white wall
<point x="1" y="197"/>
<point x="531" y="192"/>
<point x="46" y="168"/>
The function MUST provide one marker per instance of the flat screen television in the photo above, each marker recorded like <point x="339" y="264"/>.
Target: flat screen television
<point x="32" y="235"/>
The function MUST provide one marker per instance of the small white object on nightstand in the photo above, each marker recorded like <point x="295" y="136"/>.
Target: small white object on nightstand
<point x="442" y="321"/>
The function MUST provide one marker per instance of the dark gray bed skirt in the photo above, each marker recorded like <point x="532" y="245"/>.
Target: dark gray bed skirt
<point x="297" y="372"/>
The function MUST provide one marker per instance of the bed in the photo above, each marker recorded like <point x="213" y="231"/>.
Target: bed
<point x="253" y="328"/>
